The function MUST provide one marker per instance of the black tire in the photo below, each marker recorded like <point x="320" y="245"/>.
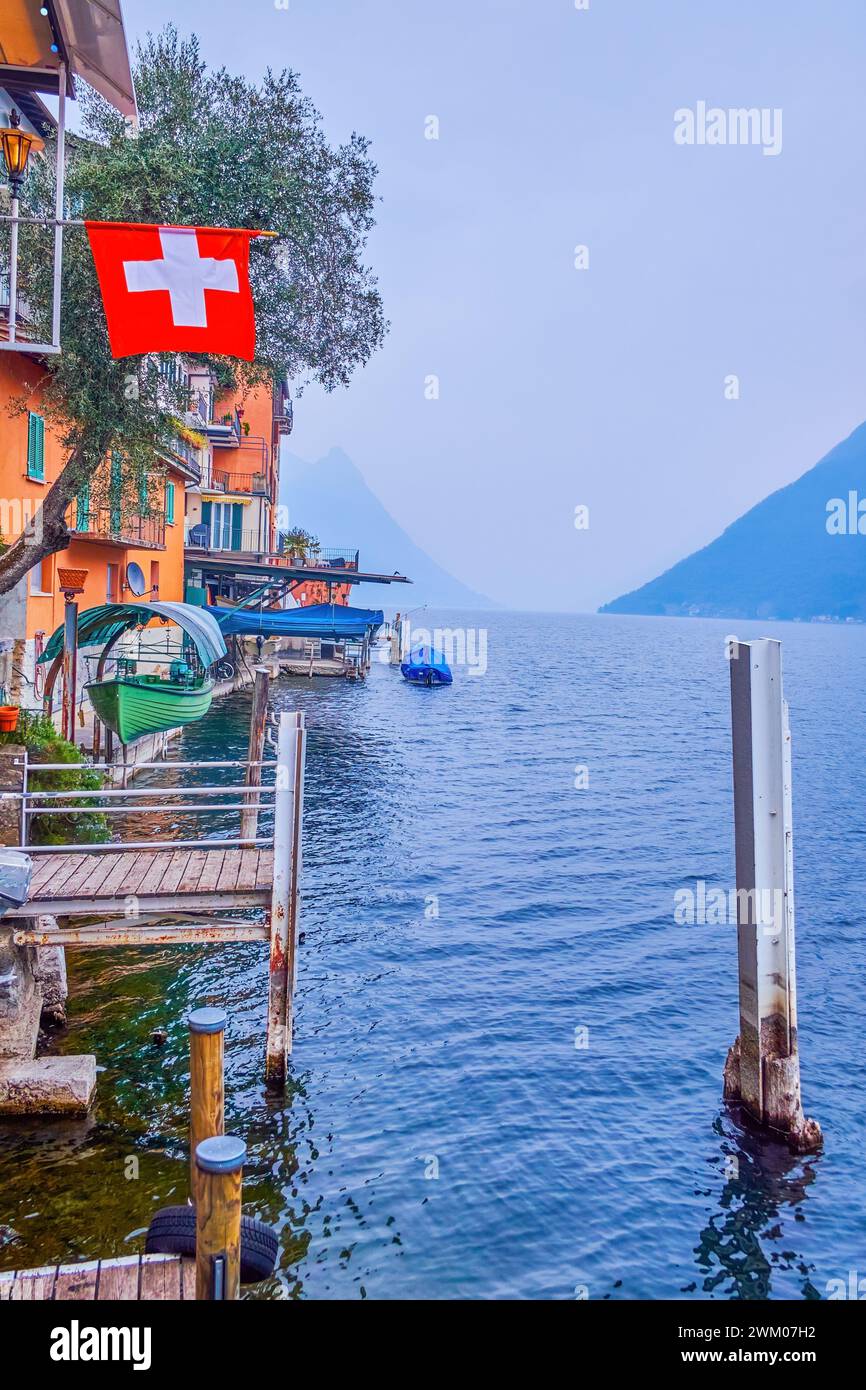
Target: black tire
<point x="172" y="1232"/>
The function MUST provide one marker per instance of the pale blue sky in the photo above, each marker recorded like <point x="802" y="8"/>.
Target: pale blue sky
<point x="603" y="387"/>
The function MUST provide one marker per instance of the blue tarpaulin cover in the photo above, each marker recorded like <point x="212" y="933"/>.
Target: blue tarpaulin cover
<point x="329" y="620"/>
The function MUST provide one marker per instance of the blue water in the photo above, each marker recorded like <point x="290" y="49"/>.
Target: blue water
<point x="465" y="910"/>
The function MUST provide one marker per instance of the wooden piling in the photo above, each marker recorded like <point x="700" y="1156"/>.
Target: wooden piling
<point x="207" y="1085"/>
<point x="291" y="750"/>
<point x="220" y="1162"/>
<point x="255" y="753"/>
<point x="762" y="1071"/>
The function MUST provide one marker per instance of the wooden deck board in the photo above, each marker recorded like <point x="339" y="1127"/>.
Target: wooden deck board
<point x="227" y="881"/>
<point x="265" y="877"/>
<point x="147" y="1278"/>
<point x="73" y="884"/>
<point x="211" y="871"/>
<point x="192" y="872"/>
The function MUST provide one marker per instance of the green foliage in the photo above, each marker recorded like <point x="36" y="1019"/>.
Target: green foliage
<point x="300" y="542"/>
<point x="211" y="149"/>
<point x="45" y="745"/>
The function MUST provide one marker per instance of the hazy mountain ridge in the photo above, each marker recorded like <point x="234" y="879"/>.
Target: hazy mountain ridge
<point x="331" y="498"/>
<point x="778" y="560"/>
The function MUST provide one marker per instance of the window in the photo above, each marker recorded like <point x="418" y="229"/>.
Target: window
<point x="154" y="577"/>
<point x="112" y="576"/>
<point x="41" y="577"/>
<point x="35" y="447"/>
<point x="169" y="503"/>
<point x="221" y="526"/>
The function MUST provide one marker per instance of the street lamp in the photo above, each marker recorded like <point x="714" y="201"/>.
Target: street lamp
<point x="17" y="144"/>
<point x="71" y="582"/>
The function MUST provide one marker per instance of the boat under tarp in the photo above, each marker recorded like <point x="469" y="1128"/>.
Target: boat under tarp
<point x="330" y="621"/>
<point x="132" y="703"/>
<point x="426" y="666"/>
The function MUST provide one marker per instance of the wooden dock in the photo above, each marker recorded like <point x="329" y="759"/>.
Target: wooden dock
<point x="163" y="892"/>
<point x="160" y="880"/>
<point x="141" y="1278"/>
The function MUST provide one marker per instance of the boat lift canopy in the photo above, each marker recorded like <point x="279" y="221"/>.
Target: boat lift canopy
<point x="99" y="626"/>
<point x="332" y="621"/>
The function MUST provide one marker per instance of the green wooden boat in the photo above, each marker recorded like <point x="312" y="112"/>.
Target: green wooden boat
<point x="131" y="703"/>
<point x="132" y="706"/>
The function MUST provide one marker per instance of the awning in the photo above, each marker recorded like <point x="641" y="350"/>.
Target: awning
<point x="97" y="626"/>
<point x="329" y="620"/>
<point x="91" y="40"/>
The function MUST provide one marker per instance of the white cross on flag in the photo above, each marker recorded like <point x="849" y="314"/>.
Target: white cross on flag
<point x="175" y="289"/>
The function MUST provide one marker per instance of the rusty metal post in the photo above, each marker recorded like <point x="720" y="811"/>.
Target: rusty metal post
<point x="207" y="1086"/>
<point x="70" y="661"/>
<point x="289" y="794"/>
<point x="220" y="1162"/>
<point x="762" y="1071"/>
<point x="255" y="753"/>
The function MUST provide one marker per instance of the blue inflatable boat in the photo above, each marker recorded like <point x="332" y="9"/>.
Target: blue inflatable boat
<point x="426" y="666"/>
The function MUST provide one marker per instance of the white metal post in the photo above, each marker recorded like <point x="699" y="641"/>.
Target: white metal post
<point x="283" y="924"/>
<point x="763" y="1067"/>
<point x="59" y="182"/>
<point x="13" y="270"/>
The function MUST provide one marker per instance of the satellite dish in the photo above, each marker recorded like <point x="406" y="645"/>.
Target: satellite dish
<point x="135" y="581"/>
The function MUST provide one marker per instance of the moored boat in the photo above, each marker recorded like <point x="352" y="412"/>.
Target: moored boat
<point x="128" y="701"/>
<point x="426" y="666"/>
<point x="132" y="706"/>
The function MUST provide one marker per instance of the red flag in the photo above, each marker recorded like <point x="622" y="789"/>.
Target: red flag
<point x="175" y="289"/>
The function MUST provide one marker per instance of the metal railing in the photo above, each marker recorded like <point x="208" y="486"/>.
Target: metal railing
<point x="188" y="452"/>
<point x="254" y="483"/>
<point x="326" y="557"/>
<point x="114" y="525"/>
<point x="87" y="801"/>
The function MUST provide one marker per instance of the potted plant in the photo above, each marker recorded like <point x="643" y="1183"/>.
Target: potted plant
<point x="8" y="714"/>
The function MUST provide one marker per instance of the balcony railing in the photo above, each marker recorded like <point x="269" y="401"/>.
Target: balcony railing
<point x="114" y="527"/>
<point x="188" y="452"/>
<point x="254" y="483"/>
<point x="333" y="557"/>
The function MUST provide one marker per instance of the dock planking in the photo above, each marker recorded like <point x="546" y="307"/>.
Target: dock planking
<point x="138" y="1278"/>
<point x="63" y="885"/>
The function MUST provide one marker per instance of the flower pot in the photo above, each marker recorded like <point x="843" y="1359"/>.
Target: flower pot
<point x="8" y="719"/>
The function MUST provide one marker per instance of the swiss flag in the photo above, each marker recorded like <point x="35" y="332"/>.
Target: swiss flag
<point x="175" y="289"/>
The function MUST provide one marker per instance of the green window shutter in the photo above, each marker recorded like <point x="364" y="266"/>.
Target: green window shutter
<point x="205" y="514"/>
<point x="82" y="509"/>
<point x="169" y="503"/>
<point x="35" y="447"/>
<point x="237" y="524"/>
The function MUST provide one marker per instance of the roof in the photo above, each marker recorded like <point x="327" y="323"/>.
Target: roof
<point x="332" y="621"/>
<point x="258" y="566"/>
<point x="89" y="37"/>
<point x="100" y="625"/>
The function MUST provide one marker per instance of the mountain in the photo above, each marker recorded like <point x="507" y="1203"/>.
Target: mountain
<point x="791" y="556"/>
<point x="331" y="499"/>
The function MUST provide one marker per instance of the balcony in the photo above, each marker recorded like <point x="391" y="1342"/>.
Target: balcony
<point x="226" y="432"/>
<point x="112" y="526"/>
<point x="254" y="484"/>
<point x="188" y="454"/>
<point x="332" y="557"/>
<point x="283" y="410"/>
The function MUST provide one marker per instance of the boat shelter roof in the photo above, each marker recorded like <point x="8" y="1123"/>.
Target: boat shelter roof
<point x="87" y="35"/>
<point x="329" y="620"/>
<point x="101" y="625"/>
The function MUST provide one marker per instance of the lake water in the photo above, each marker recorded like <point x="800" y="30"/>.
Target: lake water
<point x="506" y="1078"/>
